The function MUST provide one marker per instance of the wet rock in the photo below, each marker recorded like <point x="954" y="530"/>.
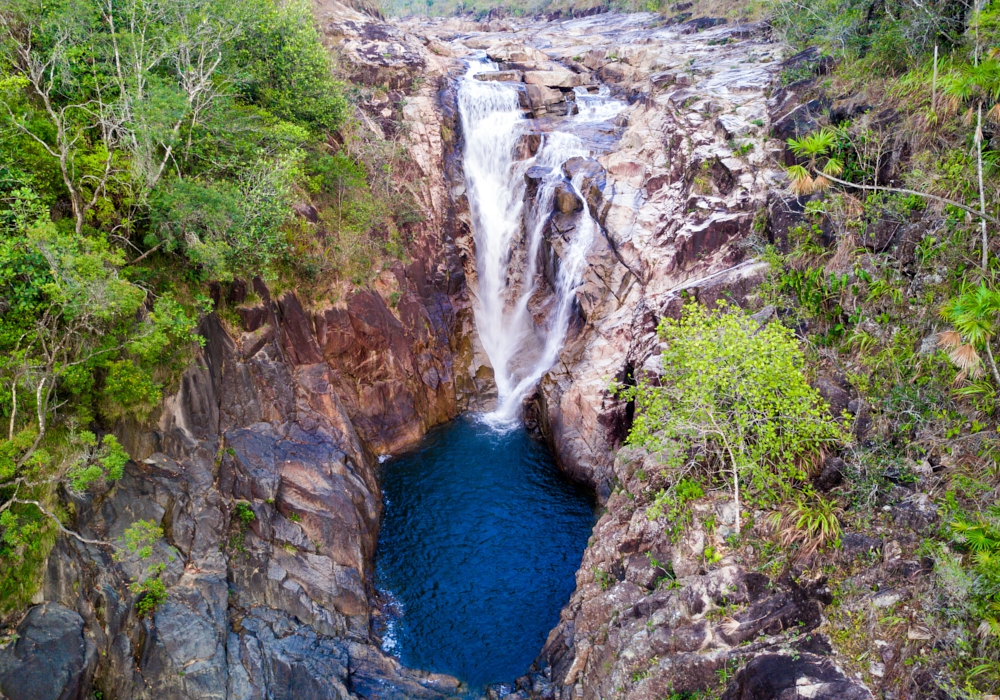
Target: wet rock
<point x="533" y="178"/>
<point x="566" y="200"/>
<point x="542" y="100"/>
<point x="527" y="146"/>
<point x="774" y="676"/>
<point x="591" y="177"/>
<point x="51" y="659"/>
<point x="503" y="76"/>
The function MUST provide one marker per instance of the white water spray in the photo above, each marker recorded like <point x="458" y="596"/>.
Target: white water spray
<point x="520" y="350"/>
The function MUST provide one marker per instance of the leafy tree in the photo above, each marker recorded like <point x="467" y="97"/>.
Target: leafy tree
<point x="281" y="64"/>
<point x="74" y="330"/>
<point x="734" y="396"/>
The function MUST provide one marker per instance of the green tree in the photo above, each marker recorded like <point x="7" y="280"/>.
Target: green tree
<point x="71" y="326"/>
<point x="734" y="395"/>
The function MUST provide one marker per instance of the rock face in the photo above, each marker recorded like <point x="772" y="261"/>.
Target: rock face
<point x="676" y="185"/>
<point x="275" y="607"/>
<point x="51" y="659"/>
<point x="283" y="412"/>
<point x="633" y="629"/>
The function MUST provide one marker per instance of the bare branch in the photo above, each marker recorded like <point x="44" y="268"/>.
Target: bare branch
<point x="65" y="530"/>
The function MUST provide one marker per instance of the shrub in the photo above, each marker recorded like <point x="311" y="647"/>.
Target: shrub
<point x="152" y="593"/>
<point x="812" y="523"/>
<point x="734" y="396"/>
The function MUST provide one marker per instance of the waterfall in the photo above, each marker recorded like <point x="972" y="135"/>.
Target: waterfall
<point x="508" y="238"/>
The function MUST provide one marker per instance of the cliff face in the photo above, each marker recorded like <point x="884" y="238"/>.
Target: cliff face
<point x="283" y="410"/>
<point x="676" y="187"/>
<point x="287" y="411"/>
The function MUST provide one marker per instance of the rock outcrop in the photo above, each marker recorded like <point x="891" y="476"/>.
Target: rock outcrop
<point x="674" y="185"/>
<point x="282" y="412"/>
<point x="652" y="615"/>
<point x="677" y="187"/>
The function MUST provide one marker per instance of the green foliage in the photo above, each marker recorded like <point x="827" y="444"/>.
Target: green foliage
<point x="979" y="537"/>
<point x="137" y="543"/>
<point x="284" y="67"/>
<point x="139" y="538"/>
<point x="887" y="36"/>
<point x="244" y="513"/>
<point x="811" y="522"/>
<point x="152" y="593"/>
<point x="973" y="313"/>
<point x="228" y="228"/>
<point x="735" y="396"/>
<point x="98" y="461"/>
<point x="671" y="504"/>
<point x="26" y="536"/>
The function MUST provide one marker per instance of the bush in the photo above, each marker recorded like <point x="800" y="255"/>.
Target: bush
<point x="282" y="66"/>
<point x="734" y="397"/>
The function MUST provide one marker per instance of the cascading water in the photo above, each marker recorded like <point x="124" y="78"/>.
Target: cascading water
<point x="481" y="532"/>
<point x="520" y="351"/>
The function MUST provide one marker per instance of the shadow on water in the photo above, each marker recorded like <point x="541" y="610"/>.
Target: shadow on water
<point x="480" y="541"/>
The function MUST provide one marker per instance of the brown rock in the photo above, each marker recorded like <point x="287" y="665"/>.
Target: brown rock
<point x="566" y="200"/>
<point x="555" y="79"/>
<point x="501" y="76"/>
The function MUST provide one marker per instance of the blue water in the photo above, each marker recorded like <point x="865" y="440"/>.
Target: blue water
<point x="480" y="541"/>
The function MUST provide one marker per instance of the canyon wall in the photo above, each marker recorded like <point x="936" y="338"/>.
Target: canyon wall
<point x="680" y="185"/>
<point x="283" y="411"/>
<point x="287" y="408"/>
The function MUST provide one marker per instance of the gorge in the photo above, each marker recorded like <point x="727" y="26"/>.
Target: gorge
<point x="420" y="486"/>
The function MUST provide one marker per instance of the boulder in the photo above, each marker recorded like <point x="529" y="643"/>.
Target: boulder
<point x="51" y="659"/>
<point x="835" y="395"/>
<point x="832" y="474"/>
<point x="801" y="120"/>
<point x="563" y="79"/>
<point x="527" y="146"/>
<point x="779" y="676"/>
<point x="542" y="101"/>
<point x="501" y="76"/>
<point x="566" y="201"/>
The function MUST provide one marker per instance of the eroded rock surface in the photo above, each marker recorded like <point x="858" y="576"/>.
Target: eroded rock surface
<point x="287" y="411"/>
<point x="283" y="412"/>
<point x="679" y="185"/>
<point x="651" y="617"/>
